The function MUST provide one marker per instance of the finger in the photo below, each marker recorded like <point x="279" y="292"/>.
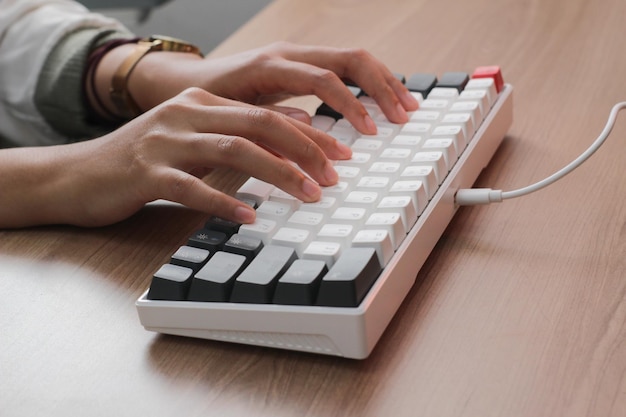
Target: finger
<point x="300" y="78"/>
<point x="296" y="141"/>
<point x="241" y="154"/>
<point x="181" y="187"/>
<point x="366" y="71"/>
<point x="294" y="113"/>
<point x="232" y="117"/>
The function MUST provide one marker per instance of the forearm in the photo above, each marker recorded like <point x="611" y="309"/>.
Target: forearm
<point x="33" y="186"/>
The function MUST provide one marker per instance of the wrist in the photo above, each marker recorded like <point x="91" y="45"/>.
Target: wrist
<point x="124" y="81"/>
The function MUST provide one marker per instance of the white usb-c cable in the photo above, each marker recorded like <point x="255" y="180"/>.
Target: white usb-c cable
<point x="473" y="196"/>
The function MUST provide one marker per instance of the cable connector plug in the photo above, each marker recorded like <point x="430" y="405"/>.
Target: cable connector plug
<point x="474" y="196"/>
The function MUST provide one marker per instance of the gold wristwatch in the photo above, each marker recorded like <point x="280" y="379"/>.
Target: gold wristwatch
<point x="121" y="97"/>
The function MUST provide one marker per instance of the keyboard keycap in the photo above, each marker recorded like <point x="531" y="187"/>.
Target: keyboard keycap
<point x="170" y="282"/>
<point x="421" y="83"/>
<point x="215" y="280"/>
<point x="300" y="283"/>
<point x="257" y="282"/>
<point x="348" y="281"/>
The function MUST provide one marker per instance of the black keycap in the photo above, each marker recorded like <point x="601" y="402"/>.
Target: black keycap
<point x="456" y="80"/>
<point x="222" y="225"/>
<point x="421" y="83"/>
<point x="170" y="282"/>
<point x="325" y="110"/>
<point x="350" y="278"/>
<point x="257" y="282"/>
<point x="207" y="239"/>
<point x="215" y="280"/>
<point x="247" y="246"/>
<point x="190" y="257"/>
<point x="399" y="76"/>
<point x="300" y="283"/>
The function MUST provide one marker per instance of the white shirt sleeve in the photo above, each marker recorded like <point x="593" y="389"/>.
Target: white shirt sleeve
<point x="29" y="30"/>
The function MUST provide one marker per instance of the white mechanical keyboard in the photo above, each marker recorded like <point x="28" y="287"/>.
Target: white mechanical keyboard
<point x="327" y="277"/>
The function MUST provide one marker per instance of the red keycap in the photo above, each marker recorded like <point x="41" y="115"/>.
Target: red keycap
<point x="492" y="71"/>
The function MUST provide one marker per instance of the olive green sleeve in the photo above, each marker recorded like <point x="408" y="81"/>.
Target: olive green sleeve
<point x="59" y="94"/>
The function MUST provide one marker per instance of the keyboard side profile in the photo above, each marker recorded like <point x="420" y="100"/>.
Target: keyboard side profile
<point x="347" y="331"/>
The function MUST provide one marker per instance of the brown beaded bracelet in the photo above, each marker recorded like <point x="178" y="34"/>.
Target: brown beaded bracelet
<point x="89" y="75"/>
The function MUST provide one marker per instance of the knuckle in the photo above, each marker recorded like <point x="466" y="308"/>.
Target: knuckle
<point x="262" y="118"/>
<point x="324" y="78"/>
<point x="178" y="185"/>
<point x="358" y="54"/>
<point x="230" y="147"/>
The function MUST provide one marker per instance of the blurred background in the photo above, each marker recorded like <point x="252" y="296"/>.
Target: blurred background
<point x="205" y="23"/>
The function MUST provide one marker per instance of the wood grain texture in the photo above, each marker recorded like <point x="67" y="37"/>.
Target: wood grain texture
<point x="519" y="311"/>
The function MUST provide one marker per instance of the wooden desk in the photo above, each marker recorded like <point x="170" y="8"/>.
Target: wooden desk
<point x="519" y="311"/>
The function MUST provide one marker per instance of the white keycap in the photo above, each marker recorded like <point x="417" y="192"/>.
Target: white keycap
<point x="488" y="84"/>
<point x="391" y="169"/>
<point x="434" y="159"/>
<point x="346" y="125"/>
<point x="344" y="136"/>
<point x="323" y="251"/>
<point x="445" y="146"/>
<point x="339" y="233"/>
<point x="455" y="132"/>
<point x="354" y="216"/>
<point x="377" y="239"/>
<point x="373" y="183"/>
<point x="413" y="188"/>
<point x="471" y="107"/>
<point x="308" y="220"/>
<point x="321" y="122"/>
<point x="393" y="127"/>
<point x="255" y="189"/>
<point x="281" y="196"/>
<point x="480" y="96"/>
<point x="464" y="120"/>
<point x="373" y="146"/>
<point x="363" y="199"/>
<point x="423" y="173"/>
<point x="324" y="205"/>
<point x="422" y="115"/>
<point x="402" y="205"/>
<point x="261" y="229"/>
<point x="391" y="222"/>
<point x="443" y="92"/>
<point x="416" y="128"/>
<point x="436" y="104"/>
<point x="339" y="190"/>
<point x="298" y="239"/>
<point x="393" y="154"/>
<point x="348" y="174"/>
<point x="382" y="132"/>
<point x="407" y="140"/>
<point x="359" y="159"/>
<point x="273" y="210"/>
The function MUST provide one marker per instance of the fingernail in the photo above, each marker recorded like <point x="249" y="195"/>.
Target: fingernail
<point x="331" y="174"/>
<point x="244" y="214"/>
<point x="344" y="149"/>
<point x="300" y="116"/>
<point x="403" y="117"/>
<point x="311" y="189"/>
<point x="370" y="125"/>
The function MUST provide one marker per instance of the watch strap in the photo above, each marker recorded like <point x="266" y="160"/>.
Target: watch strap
<point x="123" y="101"/>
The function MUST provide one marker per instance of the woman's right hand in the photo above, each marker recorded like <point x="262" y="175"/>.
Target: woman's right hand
<point x="162" y="155"/>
